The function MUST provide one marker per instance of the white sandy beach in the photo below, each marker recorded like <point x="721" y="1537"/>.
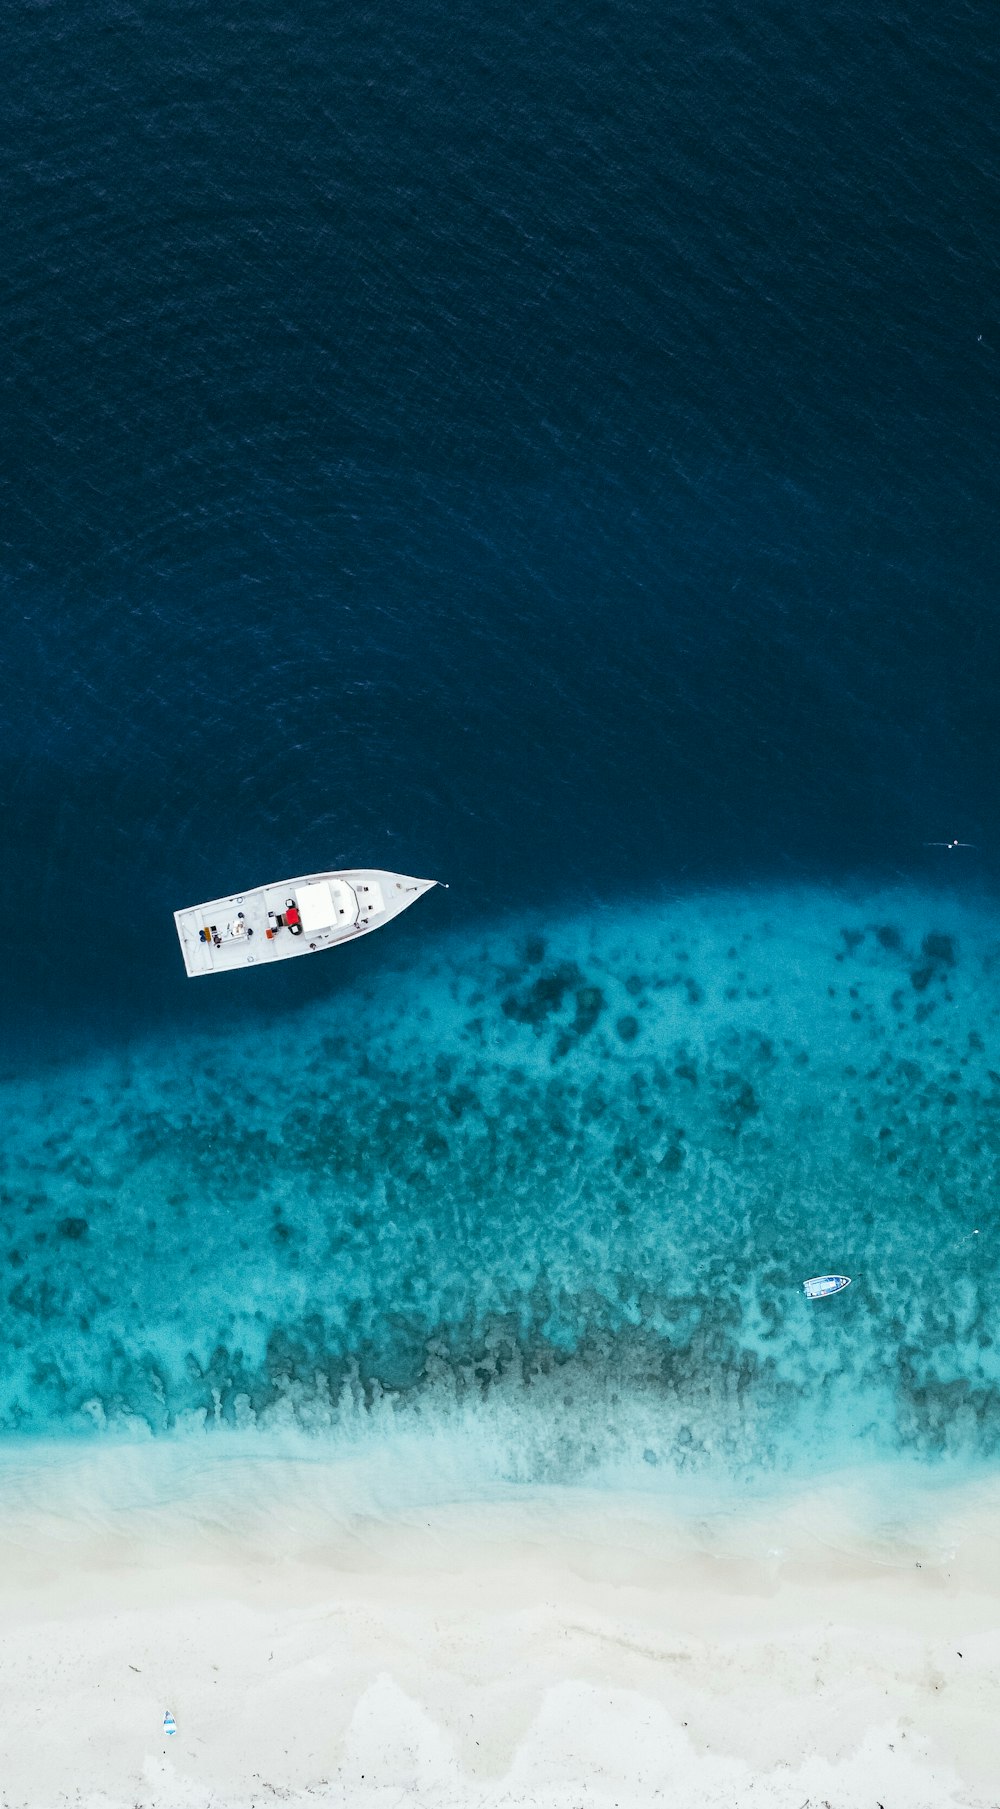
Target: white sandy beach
<point x="557" y="1649"/>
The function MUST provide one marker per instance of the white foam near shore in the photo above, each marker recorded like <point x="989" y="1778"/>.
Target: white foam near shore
<point x="547" y="1647"/>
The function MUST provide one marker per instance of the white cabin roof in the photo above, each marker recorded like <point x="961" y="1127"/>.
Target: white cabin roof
<point x="326" y="903"/>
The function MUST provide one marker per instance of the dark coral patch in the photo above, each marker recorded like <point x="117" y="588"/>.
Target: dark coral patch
<point x="739" y="1103"/>
<point x="461" y="1101"/>
<point x="940" y="949"/>
<point x="589" y="1005"/>
<point x="544" y="996"/>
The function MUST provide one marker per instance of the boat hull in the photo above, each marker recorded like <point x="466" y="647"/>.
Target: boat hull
<point x="292" y="917"/>
<point x="820" y="1287"/>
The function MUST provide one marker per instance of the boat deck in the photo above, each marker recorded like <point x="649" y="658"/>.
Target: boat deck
<point x="292" y="917"/>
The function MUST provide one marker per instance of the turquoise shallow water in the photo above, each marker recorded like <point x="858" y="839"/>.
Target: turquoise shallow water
<point x="556" y="1183"/>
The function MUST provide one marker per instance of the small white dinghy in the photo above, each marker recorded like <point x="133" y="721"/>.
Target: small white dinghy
<point x="819" y="1286"/>
<point x="292" y="917"/>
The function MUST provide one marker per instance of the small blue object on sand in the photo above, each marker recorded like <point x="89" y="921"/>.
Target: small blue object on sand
<point x="819" y="1286"/>
<point x="169" y="1724"/>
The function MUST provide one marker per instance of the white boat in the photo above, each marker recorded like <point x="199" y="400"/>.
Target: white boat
<point x="819" y="1286"/>
<point x="292" y="917"/>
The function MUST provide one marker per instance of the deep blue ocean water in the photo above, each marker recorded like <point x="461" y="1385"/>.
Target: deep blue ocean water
<point x="554" y="452"/>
